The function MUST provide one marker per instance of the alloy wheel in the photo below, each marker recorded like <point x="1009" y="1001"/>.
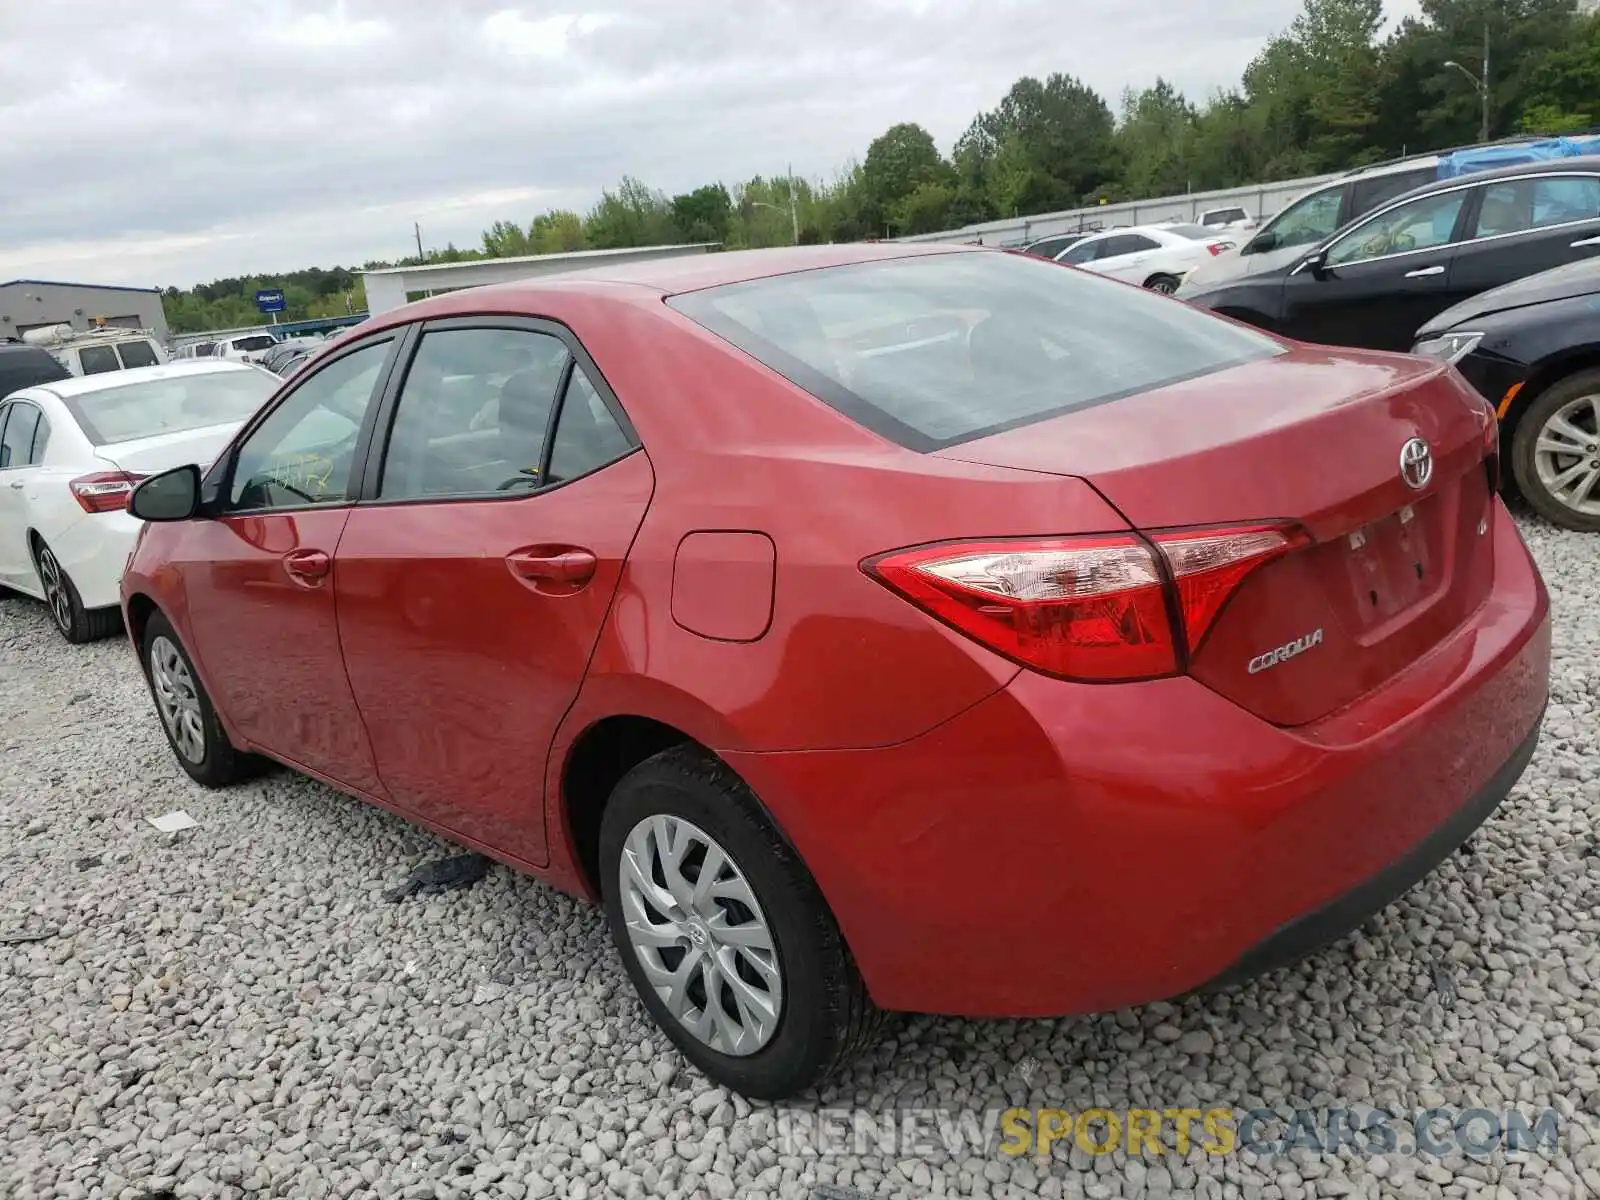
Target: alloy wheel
<point x="1566" y="456"/>
<point x="177" y="699"/>
<point x="55" y="589"/>
<point x="700" y="935"/>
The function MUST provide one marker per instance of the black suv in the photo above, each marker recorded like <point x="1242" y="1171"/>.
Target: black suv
<point x="22" y="365"/>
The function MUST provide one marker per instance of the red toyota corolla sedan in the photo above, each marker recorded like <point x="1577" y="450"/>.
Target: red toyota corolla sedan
<point x="868" y="627"/>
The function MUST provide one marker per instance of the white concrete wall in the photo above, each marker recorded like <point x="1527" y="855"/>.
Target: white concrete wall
<point x="388" y="289"/>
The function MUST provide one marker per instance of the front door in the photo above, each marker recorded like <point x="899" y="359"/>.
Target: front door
<point x="475" y="577"/>
<point x="259" y="578"/>
<point x="1380" y="282"/>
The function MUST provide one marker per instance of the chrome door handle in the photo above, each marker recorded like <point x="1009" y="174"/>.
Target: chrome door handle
<point x="18" y="485"/>
<point x="1424" y="272"/>
<point x="1594" y="241"/>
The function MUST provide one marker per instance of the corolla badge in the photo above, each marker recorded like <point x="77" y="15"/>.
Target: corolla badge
<point x="1284" y="653"/>
<point x="1416" y="463"/>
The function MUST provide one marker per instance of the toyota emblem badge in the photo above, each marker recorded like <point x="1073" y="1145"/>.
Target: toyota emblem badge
<point x="1416" y="464"/>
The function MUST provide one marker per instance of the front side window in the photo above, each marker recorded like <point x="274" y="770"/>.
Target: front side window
<point x="473" y="414"/>
<point x="16" y="441"/>
<point x="138" y="354"/>
<point x="937" y="349"/>
<point x="96" y="360"/>
<point x="303" y="453"/>
<point x="1419" y="225"/>
<point x="1518" y="205"/>
<point x="1308" y="220"/>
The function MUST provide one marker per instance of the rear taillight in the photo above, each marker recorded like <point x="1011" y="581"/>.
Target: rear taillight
<point x="1098" y="608"/>
<point x="1217" y="248"/>
<point x="104" y="491"/>
<point x="1491" y="452"/>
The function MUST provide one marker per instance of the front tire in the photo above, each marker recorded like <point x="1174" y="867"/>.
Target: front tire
<point x="193" y="730"/>
<point x="1555" y="452"/>
<point x="1165" y="284"/>
<point x="72" y="620"/>
<point x="724" y="933"/>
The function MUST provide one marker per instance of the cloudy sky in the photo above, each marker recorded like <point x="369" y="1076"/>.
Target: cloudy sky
<point x="177" y="141"/>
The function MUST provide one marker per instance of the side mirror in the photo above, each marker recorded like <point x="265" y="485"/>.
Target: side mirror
<point x="1266" y="240"/>
<point x="170" y="496"/>
<point x="1315" y="262"/>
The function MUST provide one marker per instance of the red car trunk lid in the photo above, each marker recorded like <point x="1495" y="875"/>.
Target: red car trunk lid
<point x="1312" y="438"/>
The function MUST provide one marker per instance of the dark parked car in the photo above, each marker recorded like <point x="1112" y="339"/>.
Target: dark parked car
<point x="1532" y="349"/>
<point x="1058" y="244"/>
<point x="24" y="366"/>
<point x="1378" y="280"/>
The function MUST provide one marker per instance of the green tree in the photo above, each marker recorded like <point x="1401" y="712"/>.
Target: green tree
<point x="506" y="239"/>
<point x="703" y="214"/>
<point x="898" y="161"/>
<point x="633" y="215"/>
<point x="557" y="232"/>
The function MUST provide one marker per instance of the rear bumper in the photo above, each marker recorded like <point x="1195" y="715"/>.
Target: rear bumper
<point x="1314" y="930"/>
<point x="1062" y="848"/>
<point x="94" y="552"/>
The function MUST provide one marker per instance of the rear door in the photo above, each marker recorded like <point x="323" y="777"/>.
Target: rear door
<point x="1125" y="256"/>
<point x="475" y="576"/>
<point x="23" y="434"/>
<point x="1381" y="280"/>
<point x="1523" y="226"/>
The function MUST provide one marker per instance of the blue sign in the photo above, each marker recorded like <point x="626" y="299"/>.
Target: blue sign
<point x="270" y="300"/>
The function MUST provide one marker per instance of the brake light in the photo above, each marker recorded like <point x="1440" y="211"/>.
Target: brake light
<point x="104" y="491"/>
<point x="1097" y="609"/>
<point x="1209" y="565"/>
<point x="1491" y="451"/>
<point x="1217" y="248"/>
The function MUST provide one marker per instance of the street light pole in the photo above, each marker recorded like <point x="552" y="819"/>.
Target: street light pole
<point x="1480" y="84"/>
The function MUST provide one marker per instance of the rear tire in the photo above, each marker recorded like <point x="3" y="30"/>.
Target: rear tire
<point x="72" y="620"/>
<point x="1165" y="284"/>
<point x="193" y="730"/>
<point x="1574" y="403"/>
<point x="801" y="1011"/>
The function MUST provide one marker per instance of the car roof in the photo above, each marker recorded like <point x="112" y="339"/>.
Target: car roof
<point x="80" y="385"/>
<point x="692" y="272"/>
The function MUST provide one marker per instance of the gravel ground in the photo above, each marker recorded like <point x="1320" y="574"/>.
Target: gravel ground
<point x="235" y="1009"/>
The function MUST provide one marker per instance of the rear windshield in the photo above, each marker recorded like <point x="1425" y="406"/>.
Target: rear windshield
<point x="137" y="354"/>
<point x="936" y="350"/>
<point x="171" y="405"/>
<point x="259" y="341"/>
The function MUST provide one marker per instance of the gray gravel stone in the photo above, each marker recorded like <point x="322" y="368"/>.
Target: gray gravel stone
<point x="235" y="1012"/>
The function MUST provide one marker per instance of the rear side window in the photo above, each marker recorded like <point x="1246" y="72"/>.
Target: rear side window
<point x="1523" y="204"/>
<point x="1367" y="194"/>
<point x="137" y="354"/>
<point x="935" y="350"/>
<point x="1126" y="243"/>
<point x="96" y="360"/>
<point x="16" y="443"/>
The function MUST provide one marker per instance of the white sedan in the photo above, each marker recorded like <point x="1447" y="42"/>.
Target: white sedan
<point x="70" y="455"/>
<point x="1153" y="256"/>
